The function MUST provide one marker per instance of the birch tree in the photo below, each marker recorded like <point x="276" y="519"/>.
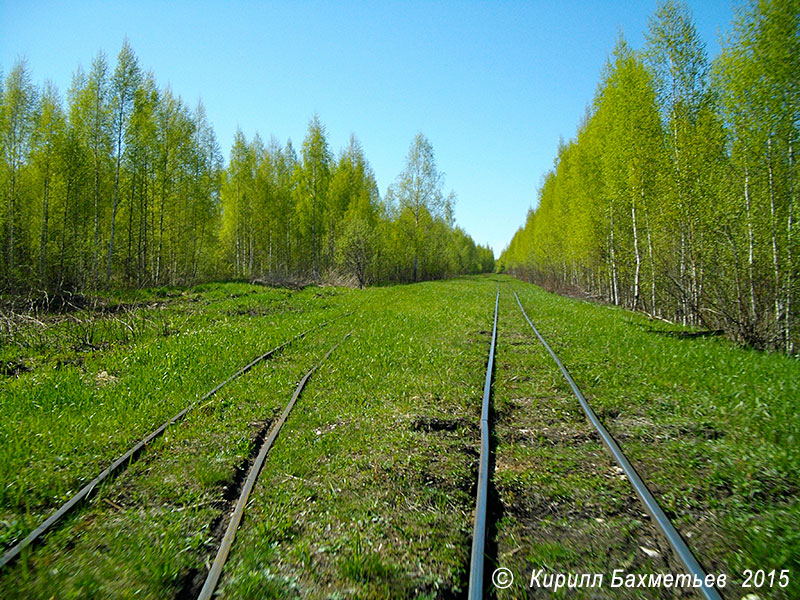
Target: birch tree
<point x="313" y="180"/>
<point x="756" y="75"/>
<point x="48" y="138"/>
<point x="631" y="158"/>
<point x="418" y="190"/>
<point x="91" y="117"/>
<point x="124" y="83"/>
<point x="17" y="114"/>
<point x="678" y="60"/>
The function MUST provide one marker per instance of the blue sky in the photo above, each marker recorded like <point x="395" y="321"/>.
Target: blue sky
<point x="493" y="85"/>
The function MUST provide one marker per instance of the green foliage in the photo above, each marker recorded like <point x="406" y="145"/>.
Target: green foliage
<point x="18" y="118"/>
<point x="313" y="175"/>
<point x="125" y="177"/>
<point x="312" y="216"/>
<point x="420" y="201"/>
<point x="678" y="196"/>
<point x="124" y="186"/>
<point x="357" y="249"/>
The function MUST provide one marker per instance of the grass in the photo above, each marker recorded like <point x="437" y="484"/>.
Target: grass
<point x="388" y="456"/>
<point x="368" y="491"/>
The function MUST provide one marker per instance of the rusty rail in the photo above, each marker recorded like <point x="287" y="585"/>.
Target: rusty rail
<point x="227" y="541"/>
<point x="129" y="456"/>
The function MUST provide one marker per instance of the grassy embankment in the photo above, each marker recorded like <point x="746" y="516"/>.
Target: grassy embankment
<point x="368" y="490"/>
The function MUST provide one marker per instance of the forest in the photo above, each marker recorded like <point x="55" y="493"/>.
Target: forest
<point x="678" y="195"/>
<point x="124" y="185"/>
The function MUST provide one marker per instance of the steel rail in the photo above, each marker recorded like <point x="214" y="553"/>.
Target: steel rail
<point x="645" y="495"/>
<point x="128" y="457"/>
<point x="479" y="531"/>
<point x="236" y="517"/>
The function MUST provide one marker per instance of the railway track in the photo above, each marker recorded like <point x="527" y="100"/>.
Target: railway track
<point x="128" y="457"/>
<point x="479" y="531"/>
<point x="215" y="572"/>
<point x="477" y="586"/>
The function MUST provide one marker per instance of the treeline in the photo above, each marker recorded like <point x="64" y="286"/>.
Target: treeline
<point x="678" y="196"/>
<point x="307" y="215"/>
<point x="125" y="185"/>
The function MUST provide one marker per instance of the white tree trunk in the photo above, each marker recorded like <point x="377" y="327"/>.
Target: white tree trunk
<point x="638" y="258"/>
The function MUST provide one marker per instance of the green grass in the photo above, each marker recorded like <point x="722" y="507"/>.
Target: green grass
<point x="368" y="490"/>
<point x="378" y="473"/>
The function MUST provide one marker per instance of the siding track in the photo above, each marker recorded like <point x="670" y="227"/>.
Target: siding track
<point x="131" y="454"/>
<point x="215" y="572"/>
<point x="645" y="495"/>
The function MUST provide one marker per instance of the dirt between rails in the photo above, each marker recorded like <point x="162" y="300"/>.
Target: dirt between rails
<point x="580" y="516"/>
<point x="192" y="580"/>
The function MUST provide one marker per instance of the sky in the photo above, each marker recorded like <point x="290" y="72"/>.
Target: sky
<point x="492" y="85"/>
